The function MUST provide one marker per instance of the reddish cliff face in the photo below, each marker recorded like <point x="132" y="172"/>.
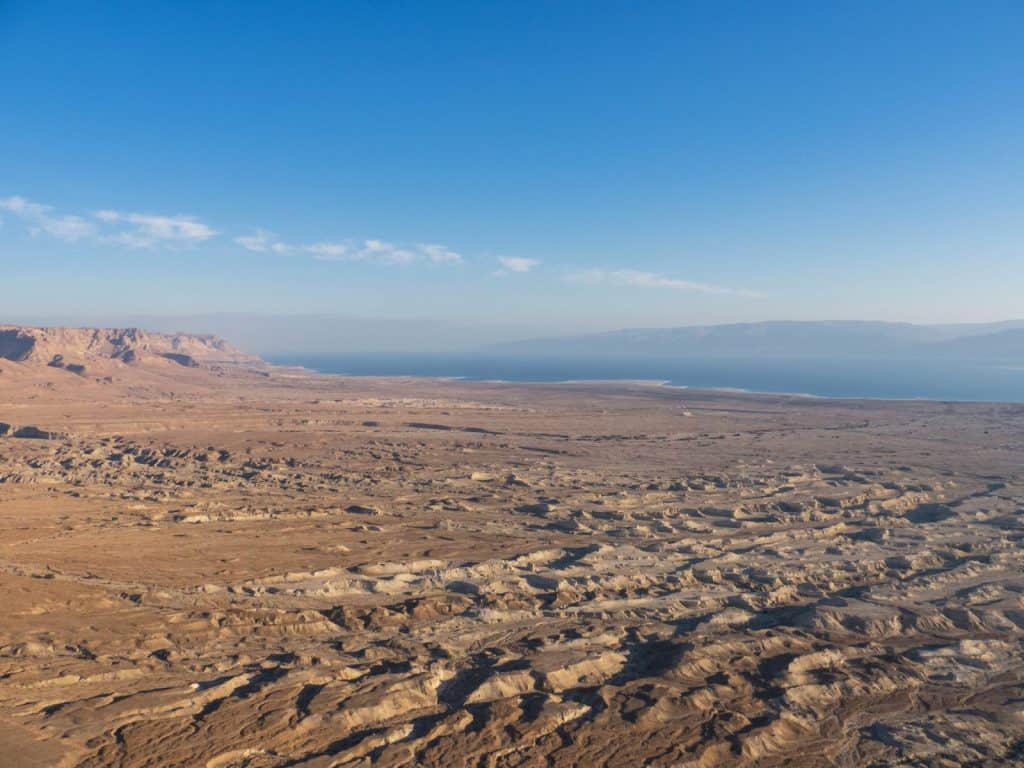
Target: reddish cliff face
<point x="75" y="347"/>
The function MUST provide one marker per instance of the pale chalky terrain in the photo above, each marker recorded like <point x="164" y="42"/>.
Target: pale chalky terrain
<point x="205" y="561"/>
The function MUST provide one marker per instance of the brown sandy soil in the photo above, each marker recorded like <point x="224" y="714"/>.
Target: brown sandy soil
<point x="221" y="567"/>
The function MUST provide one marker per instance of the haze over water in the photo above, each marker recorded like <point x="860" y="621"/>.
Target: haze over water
<point x="954" y="380"/>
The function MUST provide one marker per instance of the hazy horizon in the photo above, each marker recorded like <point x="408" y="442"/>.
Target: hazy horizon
<point x="338" y="334"/>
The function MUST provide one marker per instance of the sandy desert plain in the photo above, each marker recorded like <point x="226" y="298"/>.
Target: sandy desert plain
<point x="207" y="561"/>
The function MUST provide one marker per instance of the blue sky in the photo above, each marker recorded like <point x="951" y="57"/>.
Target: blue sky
<point x="548" y="166"/>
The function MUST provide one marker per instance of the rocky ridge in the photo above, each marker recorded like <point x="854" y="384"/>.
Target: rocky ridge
<point x="77" y="349"/>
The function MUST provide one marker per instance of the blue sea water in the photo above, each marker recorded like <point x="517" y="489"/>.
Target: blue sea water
<point x="823" y="378"/>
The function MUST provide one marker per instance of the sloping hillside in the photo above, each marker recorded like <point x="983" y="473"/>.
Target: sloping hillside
<point x="78" y="348"/>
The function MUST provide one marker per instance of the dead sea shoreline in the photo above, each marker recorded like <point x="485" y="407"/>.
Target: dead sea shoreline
<point x="664" y="383"/>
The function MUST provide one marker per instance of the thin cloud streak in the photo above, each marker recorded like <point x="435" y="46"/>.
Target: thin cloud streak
<point x="375" y="251"/>
<point x="149" y="230"/>
<point x="515" y="265"/>
<point x="640" y="279"/>
<point x="152" y="229"/>
<point x="41" y="219"/>
<point x="439" y="253"/>
<point x="259" y="242"/>
<point x="136" y="230"/>
<point x="132" y="230"/>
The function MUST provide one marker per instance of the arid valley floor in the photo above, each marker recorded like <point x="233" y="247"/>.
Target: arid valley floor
<point x="220" y="566"/>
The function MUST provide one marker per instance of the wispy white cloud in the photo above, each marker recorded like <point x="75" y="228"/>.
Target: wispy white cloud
<point x="439" y="253"/>
<point x="637" y="278"/>
<point x="133" y="230"/>
<point x="149" y="230"/>
<point x="376" y="251"/>
<point x="328" y="251"/>
<point x="384" y="252"/>
<point x="41" y="218"/>
<point x="260" y="241"/>
<point x="516" y="264"/>
<point x="265" y="241"/>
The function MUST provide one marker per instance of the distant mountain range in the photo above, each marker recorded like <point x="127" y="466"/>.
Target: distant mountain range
<point x="279" y="337"/>
<point x="981" y="342"/>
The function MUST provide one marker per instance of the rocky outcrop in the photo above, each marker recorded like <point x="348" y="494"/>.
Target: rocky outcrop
<point x="27" y="432"/>
<point x="34" y="433"/>
<point x="72" y="349"/>
<point x="186" y="360"/>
